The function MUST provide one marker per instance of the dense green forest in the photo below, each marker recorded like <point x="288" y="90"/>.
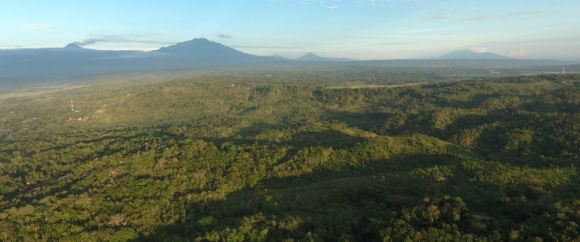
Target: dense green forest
<point x="292" y="156"/>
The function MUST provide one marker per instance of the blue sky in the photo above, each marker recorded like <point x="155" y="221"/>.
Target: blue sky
<point x="363" y="29"/>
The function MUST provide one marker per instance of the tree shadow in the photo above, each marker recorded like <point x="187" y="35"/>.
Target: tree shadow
<point x="325" y="138"/>
<point x="326" y="202"/>
<point x="303" y="139"/>
<point x="361" y="120"/>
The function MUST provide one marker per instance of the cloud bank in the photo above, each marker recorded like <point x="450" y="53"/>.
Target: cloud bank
<point x="224" y="36"/>
<point x="119" y="39"/>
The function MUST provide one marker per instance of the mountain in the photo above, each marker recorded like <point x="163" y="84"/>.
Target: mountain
<point x="314" y="57"/>
<point x="26" y="67"/>
<point x="74" y="46"/>
<point x="311" y="57"/>
<point x="20" y="67"/>
<point x="204" y="49"/>
<point x="468" y="54"/>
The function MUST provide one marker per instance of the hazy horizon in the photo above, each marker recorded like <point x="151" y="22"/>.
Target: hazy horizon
<point x="359" y="29"/>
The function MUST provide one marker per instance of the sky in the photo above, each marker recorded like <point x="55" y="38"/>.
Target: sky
<point x="360" y="29"/>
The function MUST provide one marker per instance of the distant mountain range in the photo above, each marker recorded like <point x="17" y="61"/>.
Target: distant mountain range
<point x="73" y="61"/>
<point x="468" y="54"/>
<point x="314" y="57"/>
<point x="23" y="67"/>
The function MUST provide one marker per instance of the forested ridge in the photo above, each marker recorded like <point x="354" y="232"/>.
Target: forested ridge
<point x="294" y="157"/>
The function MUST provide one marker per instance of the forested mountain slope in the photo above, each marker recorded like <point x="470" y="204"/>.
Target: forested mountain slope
<point x="239" y="158"/>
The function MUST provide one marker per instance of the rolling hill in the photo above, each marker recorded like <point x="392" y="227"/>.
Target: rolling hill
<point x="217" y="158"/>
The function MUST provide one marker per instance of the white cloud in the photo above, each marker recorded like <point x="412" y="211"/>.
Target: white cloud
<point x="480" y="49"/>
<point x="371" y="2"/>
<point x="34" y="26"/>
<point x="120" y="39"/>
<point x="484" y="16"/>
<point x="335" y="4"/>
<point x="516" y="53"/>
<point x="329" y="4"/>
<point x="224" y="36"/>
